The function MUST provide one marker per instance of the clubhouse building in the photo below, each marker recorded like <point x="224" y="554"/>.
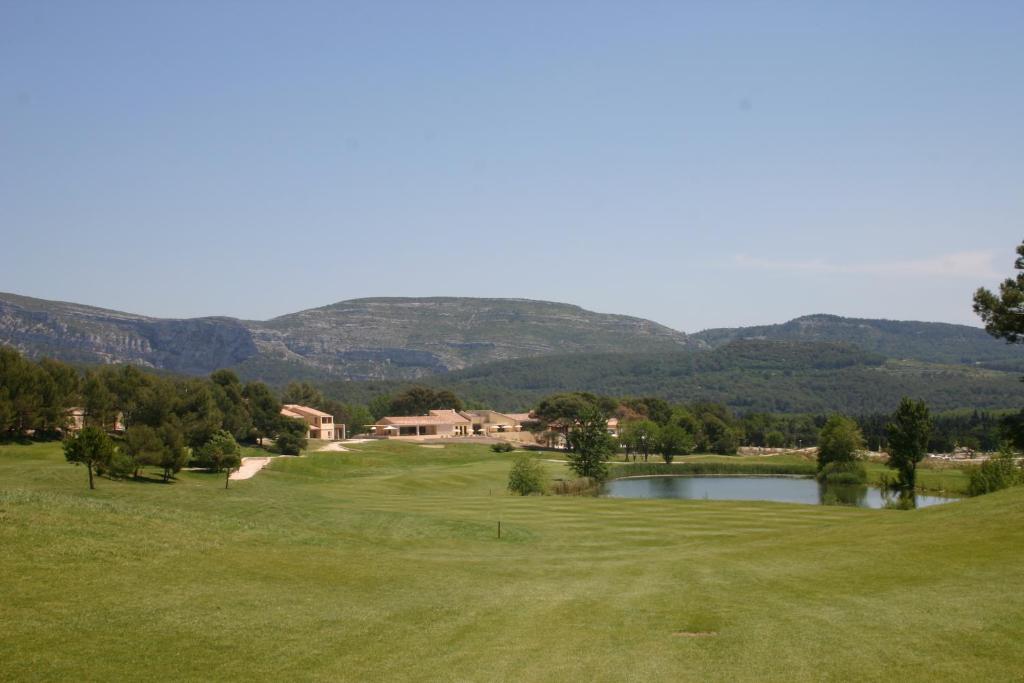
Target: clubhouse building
<point x="449" y="423"/>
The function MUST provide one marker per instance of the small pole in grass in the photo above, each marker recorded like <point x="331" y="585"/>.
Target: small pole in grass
<point x="499" y="529"/>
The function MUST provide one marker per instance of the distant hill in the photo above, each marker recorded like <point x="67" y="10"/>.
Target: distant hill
<point x="749" y="376"/>
<point x="507" y="353"/>
<point x="359" y="339"/>
<point x="930" y="342"/>
<point x="85" y="334"/>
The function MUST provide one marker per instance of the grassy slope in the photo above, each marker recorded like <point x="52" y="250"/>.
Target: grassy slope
<point x="383" y="564"/>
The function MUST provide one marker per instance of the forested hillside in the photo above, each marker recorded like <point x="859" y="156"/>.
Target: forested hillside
<point x="749" y="376"/>
<point x="898" y="339"/>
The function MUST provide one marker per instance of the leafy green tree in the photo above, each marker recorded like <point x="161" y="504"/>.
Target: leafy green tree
<point x="420" y="400"/>
<point x="228" y="395"/>
<point x="143" y="445"/>
<point x="775" y="439"/>
<point x="652" y="408"/>
<point x="839" y="441"/>
<point x="568" y="407"/>
<point x="126" y="384"/>
<point x="719" y="436"/>
<point x="590" y="445"/>
<point x="526" y="477"/>
<point x="379" y="406"/>
<point x="100" y="402"/>
<point x="174" y="455"/>
<point x="673" y="440"/>
<point x="639" y="436"/>
<point x="291" y="436"/>
<point x="20" y="384"/>
<point x="302" y="393"/>
<point x="1003" y="313"/>
<point x="90" y="447"/>
<point x="59" y="393"/>
<point x="356" y="418"/>
<point x="158" y="403"/>
<point x="200" y="417"/>
<point x="756" y="427"/>
<point x="908" y="433"/>
<point x="219" y="451"/>
<point x="264" y="408"/>
<point x="8" y="418"/>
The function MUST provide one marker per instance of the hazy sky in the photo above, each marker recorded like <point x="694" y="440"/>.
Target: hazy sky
<point x="699" y="163"/>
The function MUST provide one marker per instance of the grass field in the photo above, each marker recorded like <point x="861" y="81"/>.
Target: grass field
<point x="383" y="564"/>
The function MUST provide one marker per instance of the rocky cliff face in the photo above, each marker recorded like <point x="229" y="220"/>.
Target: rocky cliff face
<point x="359" y="339"/>
<point x="93" y="335"/>
<point x="400" y="337"/>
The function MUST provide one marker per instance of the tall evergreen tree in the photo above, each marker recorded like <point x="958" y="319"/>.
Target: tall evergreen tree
<point x="1003" y="313"/>
<point x="264" y="408"/>
<point x="908" y="433"/>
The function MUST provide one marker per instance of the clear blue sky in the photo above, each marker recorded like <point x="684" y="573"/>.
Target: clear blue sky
<point x="699" y="163"/>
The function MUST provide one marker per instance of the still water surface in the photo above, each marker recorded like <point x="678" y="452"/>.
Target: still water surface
<point x="778" y="489"/>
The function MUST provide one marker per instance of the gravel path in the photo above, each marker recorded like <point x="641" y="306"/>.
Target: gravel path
<point x="250" y="466"/>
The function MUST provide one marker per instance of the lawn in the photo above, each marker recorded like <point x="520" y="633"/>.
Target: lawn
<point x="384" y="564"/>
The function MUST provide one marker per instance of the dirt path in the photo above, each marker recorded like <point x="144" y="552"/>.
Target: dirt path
<point x="249" y="468"/>
<point x="332" y="446"/>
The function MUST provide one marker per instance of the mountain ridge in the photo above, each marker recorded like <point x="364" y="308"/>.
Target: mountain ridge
<point x="405" y="338"/>
<point x="934" y="342"/>
<point x="370" y="338"/>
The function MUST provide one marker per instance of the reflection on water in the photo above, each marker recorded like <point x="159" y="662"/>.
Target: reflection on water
<point x="778" y="489"/>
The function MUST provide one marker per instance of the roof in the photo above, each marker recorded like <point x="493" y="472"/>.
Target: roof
<point x="521" y="417"/>
<point x="305" y="410"/>
<point x="448" y="414"/>
<point x="291" y="413"/>
<point x="491" y="416"/>
<point x="419" y="420"/>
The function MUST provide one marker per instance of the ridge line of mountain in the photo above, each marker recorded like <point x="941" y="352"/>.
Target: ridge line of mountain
<point x="411" y="337"/>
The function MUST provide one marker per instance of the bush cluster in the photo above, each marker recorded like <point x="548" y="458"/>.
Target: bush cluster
<point x="995" y="474"/>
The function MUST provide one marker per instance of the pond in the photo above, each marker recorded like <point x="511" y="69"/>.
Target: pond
<point x="777" y="489"/>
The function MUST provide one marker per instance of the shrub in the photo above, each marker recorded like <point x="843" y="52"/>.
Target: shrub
<point x="503" y="447"/>
<point x="839" y="441"/>
<point x="526" y="476"/>
<point x="994" y="474"/>
<point x="122" y="464"/>
<point x="583" y="486"/>
<point x="846" y="473"/>
<point x="291" y="436"/>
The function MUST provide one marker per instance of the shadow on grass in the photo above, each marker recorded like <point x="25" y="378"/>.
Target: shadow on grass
<point x="9" y="440"/>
